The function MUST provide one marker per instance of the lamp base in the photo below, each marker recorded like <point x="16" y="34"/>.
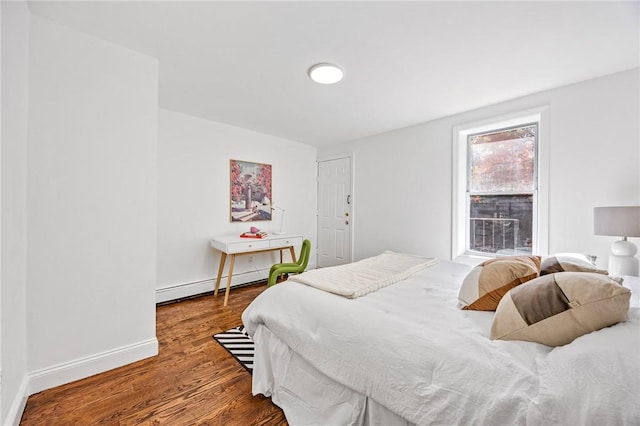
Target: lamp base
<point x="622" y="260"/>
<point x="279" y="233"/>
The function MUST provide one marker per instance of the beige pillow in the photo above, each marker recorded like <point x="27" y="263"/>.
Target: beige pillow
<point x="568" y="262"/>
<point x="485" y="285"/>
<point x="557" y="308"/>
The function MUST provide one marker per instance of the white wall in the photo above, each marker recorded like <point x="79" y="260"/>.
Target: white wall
<point x="403" y="178"/>
<point x="15" y="39"/>
<point x="193" y="198"/>
<point x="91" y="205"/>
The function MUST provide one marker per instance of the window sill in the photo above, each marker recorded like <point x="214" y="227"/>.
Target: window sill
<point x="476" y="259"/>
<point x="472" y="260"/>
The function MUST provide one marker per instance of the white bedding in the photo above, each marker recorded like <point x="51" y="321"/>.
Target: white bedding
<point x="411" y="351"/>
<point x="359" y="278"/>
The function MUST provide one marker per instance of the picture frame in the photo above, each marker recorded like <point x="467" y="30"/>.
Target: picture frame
<point x="250" y="193"/>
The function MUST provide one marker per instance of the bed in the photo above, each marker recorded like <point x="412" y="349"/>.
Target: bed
<point x="406" y="354"/>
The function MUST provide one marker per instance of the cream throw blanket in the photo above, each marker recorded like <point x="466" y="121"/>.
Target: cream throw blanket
<point x="359" y="278"/>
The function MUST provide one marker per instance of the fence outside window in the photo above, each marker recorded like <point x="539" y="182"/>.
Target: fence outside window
<point x="490" y="234"/>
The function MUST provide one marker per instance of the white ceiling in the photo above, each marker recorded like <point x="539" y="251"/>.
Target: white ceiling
<point x="245" y="63"/>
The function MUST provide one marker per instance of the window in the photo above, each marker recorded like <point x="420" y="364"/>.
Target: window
<point x="499" y="208"/>
<point x="501" y="188"/>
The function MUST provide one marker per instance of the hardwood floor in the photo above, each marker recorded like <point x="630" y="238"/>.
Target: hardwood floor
<point x="192" y="381"/>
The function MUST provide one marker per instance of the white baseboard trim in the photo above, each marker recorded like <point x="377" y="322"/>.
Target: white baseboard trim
<point x="180" y="291"/>
<point x="14" y="415"/>
<point x="67" y="372"/>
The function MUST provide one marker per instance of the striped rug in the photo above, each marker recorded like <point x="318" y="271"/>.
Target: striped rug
<point x="238" y="343"/>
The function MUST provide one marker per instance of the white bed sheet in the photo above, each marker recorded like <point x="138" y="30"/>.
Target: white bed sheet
<point x="409" y="350"/>
<point x="307" y="396"/>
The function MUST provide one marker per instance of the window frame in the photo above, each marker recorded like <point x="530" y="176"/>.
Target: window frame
<point x="460" y="208"/>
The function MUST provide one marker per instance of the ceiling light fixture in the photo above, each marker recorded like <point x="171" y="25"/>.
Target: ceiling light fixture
<point x="326" y="73"/>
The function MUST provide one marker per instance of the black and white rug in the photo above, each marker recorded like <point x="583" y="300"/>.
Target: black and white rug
<point x="238" y="343"/>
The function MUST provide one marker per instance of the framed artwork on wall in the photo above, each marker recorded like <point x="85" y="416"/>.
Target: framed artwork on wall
<point x="250" y="191"/>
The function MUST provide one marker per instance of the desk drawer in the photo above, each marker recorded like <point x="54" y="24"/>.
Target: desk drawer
<point x="248" y="246"/>
<point x="286" y="242"/>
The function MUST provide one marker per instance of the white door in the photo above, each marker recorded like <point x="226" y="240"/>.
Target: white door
<point x="335" y="207"/>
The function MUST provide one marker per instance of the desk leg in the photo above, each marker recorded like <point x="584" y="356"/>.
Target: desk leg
<point x="223" y="258"/>
<point x="226" y="293"/>
<point x="293" y="254"/>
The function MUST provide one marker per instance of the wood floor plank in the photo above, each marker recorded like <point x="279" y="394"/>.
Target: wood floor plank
<point x="193" y="380"/>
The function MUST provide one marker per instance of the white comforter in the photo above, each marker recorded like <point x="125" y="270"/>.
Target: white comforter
<point x="410" y="349"/>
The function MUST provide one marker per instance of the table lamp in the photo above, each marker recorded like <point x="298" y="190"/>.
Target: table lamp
<point x="281" y="231"/>
<point x="621" y="222"/>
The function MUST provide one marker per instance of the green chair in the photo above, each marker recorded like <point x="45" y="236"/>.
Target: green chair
<point x="286" y="268"/>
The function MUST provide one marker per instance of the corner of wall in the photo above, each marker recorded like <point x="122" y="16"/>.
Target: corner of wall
<point x="14" y="413"/>
<point x="15" y="18"/>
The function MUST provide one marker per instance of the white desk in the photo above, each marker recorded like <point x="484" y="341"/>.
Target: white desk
<point x="235" y="245"/>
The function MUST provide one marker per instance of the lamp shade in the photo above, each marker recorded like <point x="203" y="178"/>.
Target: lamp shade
<point x="617" y="221"/>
